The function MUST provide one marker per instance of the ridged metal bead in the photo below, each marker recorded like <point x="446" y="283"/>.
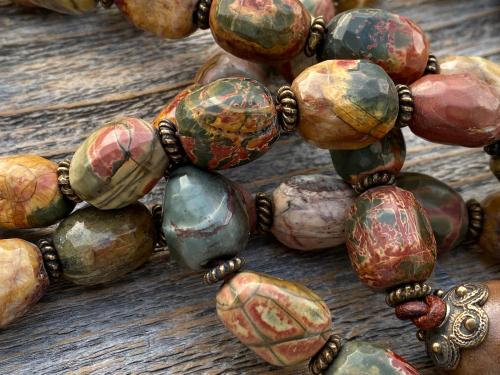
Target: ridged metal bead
<point x="432" y="65"/>
<point x="223" y="271"/>
<point x="288" y="109"/>
<point x="171" y="143"/>
<point x="63" y="181"/>
<point x="405" y="106"/>
<point x="202" y="14"/>
<point x="407" y="293"/>
<point x="373" y="180"/>
<point x="475" y="220"/>
<point x="50" y="259"/>
<point x="157" y="213"/>
<point x="325" y="357"/>
<point x="316" y="36"/>
<point x="264" y="209"/>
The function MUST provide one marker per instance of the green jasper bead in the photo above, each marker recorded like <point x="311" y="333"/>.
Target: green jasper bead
<point x="227" y="123"/>
<point x="204" y="217"/>
<point x="97" y="246"/>
<point x="387" y="154"/>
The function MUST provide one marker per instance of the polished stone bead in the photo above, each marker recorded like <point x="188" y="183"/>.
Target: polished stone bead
<point x="172" y="19"/>
<point x="394" y="42"/>
<point x="97" y="247"/>
<point x="389" y="238"/>
<point x="495" y="166"/>
<point x="23" y="279"/>
<point x="265" y="30"/>
<point x="168" y="112"/>
<point x="387" y="154"/>
<point x="310" y="211"/>
<point x="205" y="217"/>
<point x="456" y="109"/>
<point x="444" y="207"/>
<point x="29" y="193"/>
<point x="345" y="104"/>
<point x="489" y="239"/>
<point x="74" y="7"/>
<point x="281" y="321"/>
<point x="227" y="123"/>
<point x="118" y="164"/>
<point x="363" y="358"/>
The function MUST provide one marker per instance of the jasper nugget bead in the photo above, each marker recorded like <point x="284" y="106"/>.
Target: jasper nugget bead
<point x="168" y="112"/>
<point x="389" y="238"/>
<point x="345" y="104"/>
<point x="29" y="193"/>
<point x="118" y="164"/>
<point x="489" y="239"/>
<point x="23" y="279"/>
<point x="281" y="321"/>
<point x="96" y="246"/>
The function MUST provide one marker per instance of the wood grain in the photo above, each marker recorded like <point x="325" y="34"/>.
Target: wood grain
<point x="61" y="77"/>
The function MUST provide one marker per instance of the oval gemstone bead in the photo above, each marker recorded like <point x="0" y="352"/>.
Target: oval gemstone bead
<point x="74" y="7"/>
<point x="444" y="207"/>
<point x="489" y="240"/>
<point x="361" y="357"/>
<point x="281" y="321"/>
<point x="227" y="123"/>
<point x="456" y="109"/>
<point x="389" y="238"/>
<point x="387" y="154"/>
<point x="265" y="30"/>
<point x="118" y="164"/>
<point x="394" y="42"/>
<point x="479" y="67"/>
<point x="309" y="211"/>
<point x="172" y="19"/>
<point x="23" y="279"/>
<point x="168" y="112"/>
<point x="97" y="247"/>
<point x="495" y="166"/>
<point x="29" y="193"/>
<point x="345" y="104"/>
<point x="204" y="218"/>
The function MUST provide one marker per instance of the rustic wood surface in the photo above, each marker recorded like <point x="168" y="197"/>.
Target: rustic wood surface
<point x="61" y="77"/>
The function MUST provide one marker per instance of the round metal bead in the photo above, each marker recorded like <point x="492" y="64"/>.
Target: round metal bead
<point x="202" y="14"/>
<point x="407" y="293"/>
<point x="223" y="271"/>
<point x="405" y="106"/>
<point x="316" y="36"/>
<point x="50" y="259"/>
<point x="264" y="208"/>
<point x="288" y="109"/>
<point x="325" y="357"/>
<point x="373" y="180"/>
<point x="63" y="181"/>
<point x="157" y="213"/>
<point x="432" y="65"/>
<point x="475" y="219"/>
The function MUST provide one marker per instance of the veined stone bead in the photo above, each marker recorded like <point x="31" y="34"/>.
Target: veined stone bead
<point x="479" y="67"/>
<point x="387" y="154"/>
<point x="281" y="321"/>
<point x="172" y="19"/>
<point x="227" y="123"/>
<point x="394" y="42"/>
<point x="444" y="207"/>
<point x="265" y="30"/>
<point x="204" y="218"/>
<point x="168" y="112"/>
<point x="389" y="238"/>
<point x="489" y="239"/>
<point x="456" y="109"/>
<point x="62" y="6"/>
<point x="309" y="211"/>
<point x="345" y="104"/>
<point x="495" y="166"/>
<point x="23" y="279"/>
<point x="361" y="357"/>
<point x="97" y="247"/>
<point x="118" y="164"/>
<point x="29" y="193"/>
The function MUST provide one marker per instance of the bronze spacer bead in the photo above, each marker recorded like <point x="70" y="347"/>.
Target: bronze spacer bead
<point x="316" y="36"/>
<point x="374" y="180"/>
<point x="432" y="65"/>
<point x="223" y="270"/>
<point x="264" y="210"/>
<point x="202" y="14"/>
<point x="50" y="259"/>
<point x="64" y="183"/>
<point x="287" y="109"/>
<point x="406" y="293"/>
<point x="106" y="4"/>
<point x="475" y="220"/>
<point x="406" y="106"/>
<point x="157" y="213"/>
<point x="325" y="357"/>
<point x="171" y="144"/>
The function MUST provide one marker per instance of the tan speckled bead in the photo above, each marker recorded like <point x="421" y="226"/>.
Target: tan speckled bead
<point x="23" y="279"/>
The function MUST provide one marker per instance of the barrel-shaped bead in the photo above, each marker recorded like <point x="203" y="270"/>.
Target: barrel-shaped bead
<point x="265" y="30"/>
<point x="23" y="279"/>
<point x="281" y="321"/>
<point x="29" y="193"/>
<point x="205" y="217"/>
<point x="118" y="164"/>
<point x="168" y="112"/>
<point x="97" y="247"/>
<point x="444" y="207"/>
<point x="479" y="67"/>
<point x="456" y="109"/>
<point x="394" y="42"/>
<point x="489" y="240"/>
<point x="227" y="123"/>
<point x="73" y="7"/>
<point x="172" y="19"/>
<point x="389" y="238"/>
<point x="387" y="154"/>
<point x="345" y="104"/>
<point x="309" y="211"/>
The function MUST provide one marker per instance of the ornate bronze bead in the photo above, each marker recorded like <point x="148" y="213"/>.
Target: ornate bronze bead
<point x="405" y="106"/>
<point x="287" y="109"/>
<point x="316" y="36"/>
<point x="407" y="293"/>
<point x="373" y="180"/>
<point x="63" y="181"/>
<point x="157" y="212"/>
<point x="432" y="65"/>
<point x="264" y="209"/>
<point x="325" y="356"/>
<point x="171" y="143"/>
<point x="202" y="14"/>
<point x="223" y="270"/>
<point x="475" y="220"/>
<point x="50" y="259"/>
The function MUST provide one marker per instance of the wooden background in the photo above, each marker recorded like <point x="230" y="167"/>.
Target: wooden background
<point x="61" y="77"/>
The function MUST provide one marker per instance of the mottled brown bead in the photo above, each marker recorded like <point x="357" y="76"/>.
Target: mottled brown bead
<point x="489" y="240"/>
<point x="435" y="315"/>
<point x="411" y="310"/>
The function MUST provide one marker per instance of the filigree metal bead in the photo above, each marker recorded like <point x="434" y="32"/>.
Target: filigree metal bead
<point x="157" y="212"/>
<point x="405" y="106"/>
<point x="475" y="220"/>
<point x="407" y="293"/>
<point x="493" y="149"/>
<point x="264" y="208"/>
<point x="106" y="4"/>
<point x="63" y="181"/>
<point x="325" y="356"/>
<point x="50" y="259"/>
<point x="223" y="271"/>
<point x="373" y="180"/>
<point x="432" y="65"/>
<point x="171" y="143"/>
<point x="202" y="14"/>
<point x="316" y="36"/>
<point x="288" y="109"/>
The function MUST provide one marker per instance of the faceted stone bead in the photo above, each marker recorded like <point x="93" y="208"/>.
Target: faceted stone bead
<point x="172" y="19"/>
<point x="227" y="123"/>
<point x="495" y="166"/>
<point x="456" y="109"/>
<point x="345" y="104"/>
<point x="281" y="321"/>
<point x="205" y="217"/>
<point x="361" y="357"/>
<point x="310" y="211"/>
<point x="489" y="240"/>
<point x="74" y="7"/>
<point x="97" y="247"/>
<point x="168" y="112"/>
<point x="394" y="42"/>
<point x="265" y="30"/>
<point x="389" y="238"/>
<point x="23" y="279"/>
<point x="118" y="164"/>
<point x="387" y="154"/>
<point x="29" y="193"/>
<point x="444" y="207"/>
